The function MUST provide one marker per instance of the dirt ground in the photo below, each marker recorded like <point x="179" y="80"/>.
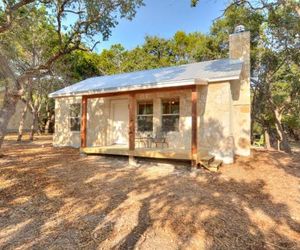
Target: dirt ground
<point x="53" y="198"/>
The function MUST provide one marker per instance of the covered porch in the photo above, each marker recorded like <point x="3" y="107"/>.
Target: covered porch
<point x="151" y="146"/>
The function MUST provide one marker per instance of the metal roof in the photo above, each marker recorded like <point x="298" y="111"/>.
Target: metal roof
<point x="194" y="73"/>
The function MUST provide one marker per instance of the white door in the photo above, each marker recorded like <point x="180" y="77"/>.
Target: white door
<point x="119" y="115"/>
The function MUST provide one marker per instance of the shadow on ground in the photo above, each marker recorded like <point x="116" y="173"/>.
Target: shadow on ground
<point x="53" y="198"/>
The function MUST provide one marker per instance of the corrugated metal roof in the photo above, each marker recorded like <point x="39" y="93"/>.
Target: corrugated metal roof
<point x="208" y="71"/>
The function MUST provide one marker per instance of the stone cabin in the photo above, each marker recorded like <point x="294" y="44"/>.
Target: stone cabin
<point x="181" y="112"/>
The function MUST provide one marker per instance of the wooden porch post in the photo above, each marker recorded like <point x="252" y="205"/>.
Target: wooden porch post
<point x="194" y="126"/>
<point x="83" y="121"/>
<point x="131" y="130"/>
<point x="131" y="122"/>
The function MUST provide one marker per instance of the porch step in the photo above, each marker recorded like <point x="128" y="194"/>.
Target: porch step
<point x="216" y="164"/>
<point x="207" y="159"/>
<point x="211" y="164"/>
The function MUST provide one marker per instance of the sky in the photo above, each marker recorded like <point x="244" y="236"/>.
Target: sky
<point x="163" y="18"/>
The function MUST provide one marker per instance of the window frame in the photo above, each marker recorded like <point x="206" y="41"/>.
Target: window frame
<point x="144" y="115"/>
<point x="72" y="117"/>
<point x="170" y="114"/>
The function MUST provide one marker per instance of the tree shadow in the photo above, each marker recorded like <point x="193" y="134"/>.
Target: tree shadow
<point x="228" y="226"/>
<point x="61" y="200"/>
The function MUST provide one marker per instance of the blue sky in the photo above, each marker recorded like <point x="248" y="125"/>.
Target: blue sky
<point x="163" y="18"/>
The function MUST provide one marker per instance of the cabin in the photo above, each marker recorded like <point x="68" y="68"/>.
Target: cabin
<point x="189" y="112"/>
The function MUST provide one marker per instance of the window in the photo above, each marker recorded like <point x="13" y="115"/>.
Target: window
<point x="170" y="115"/>
<point x="75" y="117"/>
<point x="145" y="117"/>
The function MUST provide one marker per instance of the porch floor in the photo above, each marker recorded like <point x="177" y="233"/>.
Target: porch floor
<point x="161" y="153"/>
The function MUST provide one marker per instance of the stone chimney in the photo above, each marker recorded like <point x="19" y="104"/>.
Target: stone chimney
<point x="239" y="48"/>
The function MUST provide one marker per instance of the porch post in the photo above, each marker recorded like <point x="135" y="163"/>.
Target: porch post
<point x="131" y="130"/>
<point x="194" y="127"/>
<point x="83" y="121"/>
<point x="131" y="122"/>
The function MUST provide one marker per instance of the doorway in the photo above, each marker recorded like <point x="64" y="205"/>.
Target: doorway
<point x="120" y="119"/>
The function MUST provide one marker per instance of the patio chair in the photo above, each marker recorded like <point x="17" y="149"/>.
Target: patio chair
<point x="160" y="139"/>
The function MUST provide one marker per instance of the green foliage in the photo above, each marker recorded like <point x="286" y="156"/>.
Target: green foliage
<point x="223" y="27"/>
<point x="194" y="3"/>
<point x="36" y="34"/>
<point x="78" y="66"/>
<point x="157" y="52"/>
<point x="30" y="41"/>
<point x="40" y="33"/>
<point x="111" y="61"/>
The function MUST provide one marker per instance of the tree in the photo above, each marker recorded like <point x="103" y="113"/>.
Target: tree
<point x="90" y="18"/>
<point x="274" y="27"/>
<point x="77" y="66"/>
<point x="158" y="52"/>
<point x="111" y="60"/>
<point x="277" y="60"/>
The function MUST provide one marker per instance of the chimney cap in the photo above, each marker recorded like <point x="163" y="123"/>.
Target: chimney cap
<point x="239" y="29"/>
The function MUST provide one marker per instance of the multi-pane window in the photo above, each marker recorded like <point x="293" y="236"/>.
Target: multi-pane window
<point x="74" y="117"/>
<point x="145" y="116"/>
<point x="170" y="115"/>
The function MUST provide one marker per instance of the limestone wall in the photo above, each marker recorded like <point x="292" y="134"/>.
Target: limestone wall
<point x="214" y="121"/>
<point x="99" y="120"/>
<point x="63" y="136"/>
<point x="177" y="139"/>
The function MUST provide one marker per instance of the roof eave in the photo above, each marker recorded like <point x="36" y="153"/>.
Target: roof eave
<point x="158" y="85"/>
<point x="224" y="79"/>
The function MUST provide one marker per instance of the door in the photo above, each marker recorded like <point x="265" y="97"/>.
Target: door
<point x="119" y="116"/>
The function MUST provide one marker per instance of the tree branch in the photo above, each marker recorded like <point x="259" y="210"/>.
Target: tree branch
<point x="250" y="5"/>
<point x="45" y="68"/>
<point x="9" y="11"/>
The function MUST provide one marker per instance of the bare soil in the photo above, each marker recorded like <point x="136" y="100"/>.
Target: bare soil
<point x="53" y="198"/>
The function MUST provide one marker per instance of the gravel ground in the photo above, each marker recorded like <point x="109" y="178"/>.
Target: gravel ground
<point x="53" y="198"/>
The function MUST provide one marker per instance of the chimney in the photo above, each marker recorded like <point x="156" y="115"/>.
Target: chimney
<point x="239" y="47"/>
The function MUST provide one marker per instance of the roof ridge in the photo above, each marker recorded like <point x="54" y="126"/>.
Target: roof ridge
<point x="165" y="67"/>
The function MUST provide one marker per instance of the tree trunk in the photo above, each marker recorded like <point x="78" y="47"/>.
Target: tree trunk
<point x="284" y="144"/>
<point x="21" y="125"/>
<point x="251" y="130"/>
<point x="295" y="135"/>
<point x="48" y="121"/>
<point x="7" y="111"/>
<point x="49" y="124"/>
<point x="38" y="126"/>
<point x="33" y="124"/>
<point x="35" y="109"/>
<point x="267" y="139"/>
<point x="13" y="92"/>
